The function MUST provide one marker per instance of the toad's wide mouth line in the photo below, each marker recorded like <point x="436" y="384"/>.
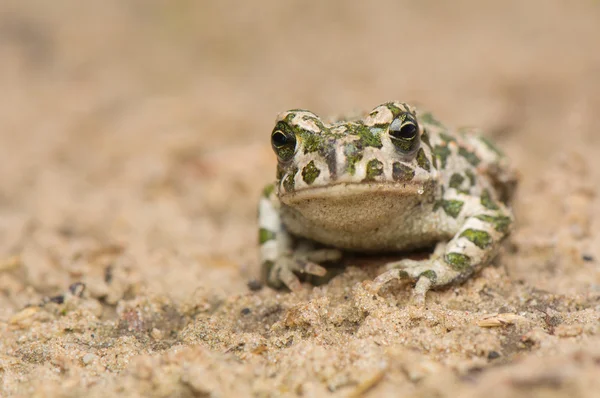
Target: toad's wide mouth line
<point x="346" y="189"/>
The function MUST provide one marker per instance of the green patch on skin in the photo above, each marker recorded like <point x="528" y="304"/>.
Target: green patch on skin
<point x="500" y="223"/>
<point x="403" y="274"/>
<point x="374" y="169"/>
<point x="366" y="136"/>
<point x="434" y="162"/>
<point x="394" y="109"/>
<point x="452" y="207"/>
<point x="291" y="115"/>
<point x="310" y="172"/>
<point x="442" y="153"/>
<point x="264" y="235"/>
<point x="268" y="190"/>
<point x="425" y="139"/>
<point x="487" y="201"/>
<point x="429" y="274"/>
<point x="456" y="181"/>
<point x="310" y="141"/>
<point x="289" y="184"/>
<point x="447" y="138"/>
<point x="470" y="156"/>
<point x="458" y="262"/>
<point x="316" y="121"/>
<point x="353" y="155"/>
<point x="422" y="160"/>
<point x="481" y="239"/>
<point x="491" y="146"/>
<point x="286" y="152"/>
<point x="402" y="172"/>
<point x="428" y="118"/>
<point x="280" y="172"/>
<point x="471" y="176"/>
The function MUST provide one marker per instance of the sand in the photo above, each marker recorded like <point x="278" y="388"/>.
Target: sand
<point x="134" y="141"/>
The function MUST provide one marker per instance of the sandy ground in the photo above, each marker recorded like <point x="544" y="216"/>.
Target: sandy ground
<point x="134" y="141"/>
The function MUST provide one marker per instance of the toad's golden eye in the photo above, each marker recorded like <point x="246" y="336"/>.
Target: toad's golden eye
<point x="284" y="144"/>
<point x="404" y="131"/>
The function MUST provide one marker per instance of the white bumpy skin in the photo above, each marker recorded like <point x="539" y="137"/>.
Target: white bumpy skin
<point x="393" y="180"/>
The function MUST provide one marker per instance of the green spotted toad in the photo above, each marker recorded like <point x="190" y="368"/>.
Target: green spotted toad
<point x="392" y="181"/>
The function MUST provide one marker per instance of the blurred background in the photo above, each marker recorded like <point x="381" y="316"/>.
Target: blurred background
<point x="134" y="144"/>
<point x="143" y="125"/>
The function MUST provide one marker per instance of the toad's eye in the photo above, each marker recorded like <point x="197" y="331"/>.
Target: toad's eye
<point x="407" y="131"/>
<point x="279" y="139"/>
<point x="404" y="132"/>
<point x="284" y="144"/>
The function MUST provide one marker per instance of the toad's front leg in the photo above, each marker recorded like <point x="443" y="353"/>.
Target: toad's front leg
<point x="281" y="258"/>
<point x="473" y="246"/>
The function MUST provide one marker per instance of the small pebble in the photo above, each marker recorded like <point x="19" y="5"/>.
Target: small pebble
<point x="156" y="334"/>
<point x="77" y="289"/>
<point x="255" y="285"/>
<point x="88" y="358"/>
<point x="108" y="274"/>
<point x="57" y="299"/>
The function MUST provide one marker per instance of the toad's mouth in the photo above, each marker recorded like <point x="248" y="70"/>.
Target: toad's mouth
<point x="356" y="190"/>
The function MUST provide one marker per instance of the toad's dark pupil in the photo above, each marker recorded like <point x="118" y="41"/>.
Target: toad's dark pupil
<point x="279" y="139"/>
<point x="408" y="131"/>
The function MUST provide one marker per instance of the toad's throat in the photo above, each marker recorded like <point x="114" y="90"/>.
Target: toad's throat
<point x="365" y="214"/>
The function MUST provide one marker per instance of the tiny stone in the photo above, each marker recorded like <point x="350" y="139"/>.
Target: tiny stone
<point x="108" y="274"/>
<point x="246" y="311"/>
<point x="255" y="285"/>
<point x="156" y="334"/>
<point x="493" y="355"/>
<point x="587" y="258"/>
<point x="77" y="289"/>
<point x="57" y="299"/>
<point x="88" y="358"/>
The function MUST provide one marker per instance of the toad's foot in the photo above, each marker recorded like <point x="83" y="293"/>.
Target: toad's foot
<point x="427" y="274"/>
<point x="424" y="272"/>
<point x="282" y="272"/>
